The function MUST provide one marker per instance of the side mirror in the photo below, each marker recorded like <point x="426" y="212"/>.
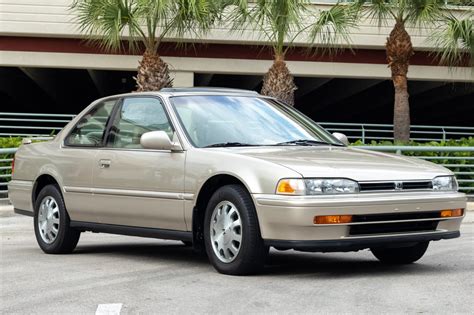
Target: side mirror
<point x="341" y="137"/>
<point x="158" y="140"/>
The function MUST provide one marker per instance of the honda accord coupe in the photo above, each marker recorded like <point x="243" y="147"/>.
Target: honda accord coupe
<point x="231" y="173"/>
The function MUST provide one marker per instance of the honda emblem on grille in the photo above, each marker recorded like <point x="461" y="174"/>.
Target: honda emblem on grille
<point x="398" y="185"/>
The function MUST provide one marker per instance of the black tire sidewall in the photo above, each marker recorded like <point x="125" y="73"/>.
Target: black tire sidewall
<point x="251" y="254"/>
<point x="59" y="243"/>
<point x="401" y="255"/>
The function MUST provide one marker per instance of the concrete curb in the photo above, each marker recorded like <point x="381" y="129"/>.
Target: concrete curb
<point x="6" y="208"/>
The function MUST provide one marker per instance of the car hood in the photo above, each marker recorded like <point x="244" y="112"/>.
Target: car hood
<point x="357" y="164"/>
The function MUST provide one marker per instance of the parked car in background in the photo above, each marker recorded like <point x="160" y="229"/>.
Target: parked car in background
<point x="233" y="173"/>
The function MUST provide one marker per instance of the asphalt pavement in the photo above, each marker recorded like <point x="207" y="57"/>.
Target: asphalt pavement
<point x="130" y="275"/>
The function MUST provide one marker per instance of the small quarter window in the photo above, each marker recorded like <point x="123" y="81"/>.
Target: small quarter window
<point x="90" y="130"/>
<point x="137" y="116"/>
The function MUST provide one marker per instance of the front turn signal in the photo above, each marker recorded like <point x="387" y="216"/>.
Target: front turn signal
<point x="291" y="187"/>
<point x="332" y="219"/>
<point x="452" y="213"/>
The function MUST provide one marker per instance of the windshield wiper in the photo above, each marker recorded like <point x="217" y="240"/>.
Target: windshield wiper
<point x="229" y="144"/>
<point x="304" y="142"/>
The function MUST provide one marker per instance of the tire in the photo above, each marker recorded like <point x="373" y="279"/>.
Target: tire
<point x="400" y="255"/>
<point x="225" y="252"/>
<point x="55" y="235"/>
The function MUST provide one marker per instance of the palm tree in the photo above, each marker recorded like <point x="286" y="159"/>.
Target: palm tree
<point x="454" y="36"/>
<point x="280" y="23"/>
<point x="144" y="23"/>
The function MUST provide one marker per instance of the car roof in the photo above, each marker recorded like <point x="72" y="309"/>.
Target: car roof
<point x="210" y="90"/>
<point x="169" y="92"/>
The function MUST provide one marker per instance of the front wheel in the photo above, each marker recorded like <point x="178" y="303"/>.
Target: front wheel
<point x="400" y="255"/>
<point x="52" y="230"/>
<point x="231" y="232"/>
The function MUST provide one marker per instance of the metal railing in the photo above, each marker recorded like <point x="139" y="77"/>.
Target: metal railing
<point x="33" y="124"/>
<point x="461" y="166"/>
<point x="464" y="171"/>
<point x="6" y="158"/>
<point x="420" y="133"/>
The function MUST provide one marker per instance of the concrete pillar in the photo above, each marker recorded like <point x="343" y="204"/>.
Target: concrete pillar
<point x="183" y="78"/>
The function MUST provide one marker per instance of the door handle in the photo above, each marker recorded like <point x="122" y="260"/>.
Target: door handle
<point x="104" y="163"/>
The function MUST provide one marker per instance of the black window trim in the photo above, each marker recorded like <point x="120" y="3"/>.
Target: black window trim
<point x="115" y="111"/>
<point x="65" y="142"/>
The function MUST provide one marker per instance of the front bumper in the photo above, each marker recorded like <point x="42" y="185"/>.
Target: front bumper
<point x="287" y="221"/>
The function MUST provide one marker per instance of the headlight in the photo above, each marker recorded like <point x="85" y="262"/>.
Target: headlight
<point x="445" y="183"/>
<point x="317" y="186"/>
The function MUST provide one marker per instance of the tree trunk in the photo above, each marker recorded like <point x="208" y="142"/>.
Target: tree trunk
<point x="153" y="73"/>
<point x="279" y="83"/>
<point x="399" y="52"/>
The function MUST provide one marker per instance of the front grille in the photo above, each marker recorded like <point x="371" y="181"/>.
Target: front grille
<point x="395" y="227"/>
<point x="377" y="186"/>
<point x="417" y="185"/>
<point x="395" y="186"/>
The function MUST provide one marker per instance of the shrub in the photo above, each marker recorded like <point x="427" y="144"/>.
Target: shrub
<point x="11" y="142"/>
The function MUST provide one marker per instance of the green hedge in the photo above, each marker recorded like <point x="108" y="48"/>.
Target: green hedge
<point x="7" y="143"/>
<point x="10" y="142"/>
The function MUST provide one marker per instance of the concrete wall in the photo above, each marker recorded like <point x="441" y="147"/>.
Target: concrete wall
<point x="52" y="18"/>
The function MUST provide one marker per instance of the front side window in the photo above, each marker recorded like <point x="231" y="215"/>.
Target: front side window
<point x="218" y="120"/>
<point x="90" y="130"/>
<point x="136" y="116"/>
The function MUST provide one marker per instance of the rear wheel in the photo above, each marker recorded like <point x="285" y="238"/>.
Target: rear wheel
<point x="400" y="255"/>
<point x="51" y="222"/>
<point x="231" y="232"/>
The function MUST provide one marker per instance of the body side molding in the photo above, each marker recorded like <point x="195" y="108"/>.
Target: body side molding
<point x="133" y="231"/>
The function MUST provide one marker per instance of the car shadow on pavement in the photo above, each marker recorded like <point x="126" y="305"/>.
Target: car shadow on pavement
<point x="288" y="263"/>
<point x="169" y="252"/>
<point x="343" y="265"/>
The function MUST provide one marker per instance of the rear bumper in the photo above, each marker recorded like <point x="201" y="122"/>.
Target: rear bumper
<point x="287" y="222"/>
<point x="20" y="193"/>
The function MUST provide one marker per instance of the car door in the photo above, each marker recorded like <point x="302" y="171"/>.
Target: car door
<point x="75" y="160"/>
<point x="134" y="186"/>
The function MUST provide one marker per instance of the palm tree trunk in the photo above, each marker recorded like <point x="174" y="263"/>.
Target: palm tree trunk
<point x="279" y="83"/>
<point x="399" y="52"/>
<point x="153" y="73"/>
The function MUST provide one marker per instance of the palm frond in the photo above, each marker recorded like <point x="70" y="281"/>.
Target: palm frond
<point x="332" y="27"/>
<point x="278" y="20"/>
<point x="147" y="21"/>
<point x="104" y="22"/>
<point x="194" y="16"/>
<point x="455" y="41"/>
<point x="422" y="12"/>
<point x="375" y="10"/>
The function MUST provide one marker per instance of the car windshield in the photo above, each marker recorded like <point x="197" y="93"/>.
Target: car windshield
<point x="222" y="120"/>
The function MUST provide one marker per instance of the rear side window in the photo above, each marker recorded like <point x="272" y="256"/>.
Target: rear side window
<point x="90" y="130"/>
<point x="136" y="116"/>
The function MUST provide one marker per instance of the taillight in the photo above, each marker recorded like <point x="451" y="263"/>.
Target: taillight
<point x="13" y="165"/>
